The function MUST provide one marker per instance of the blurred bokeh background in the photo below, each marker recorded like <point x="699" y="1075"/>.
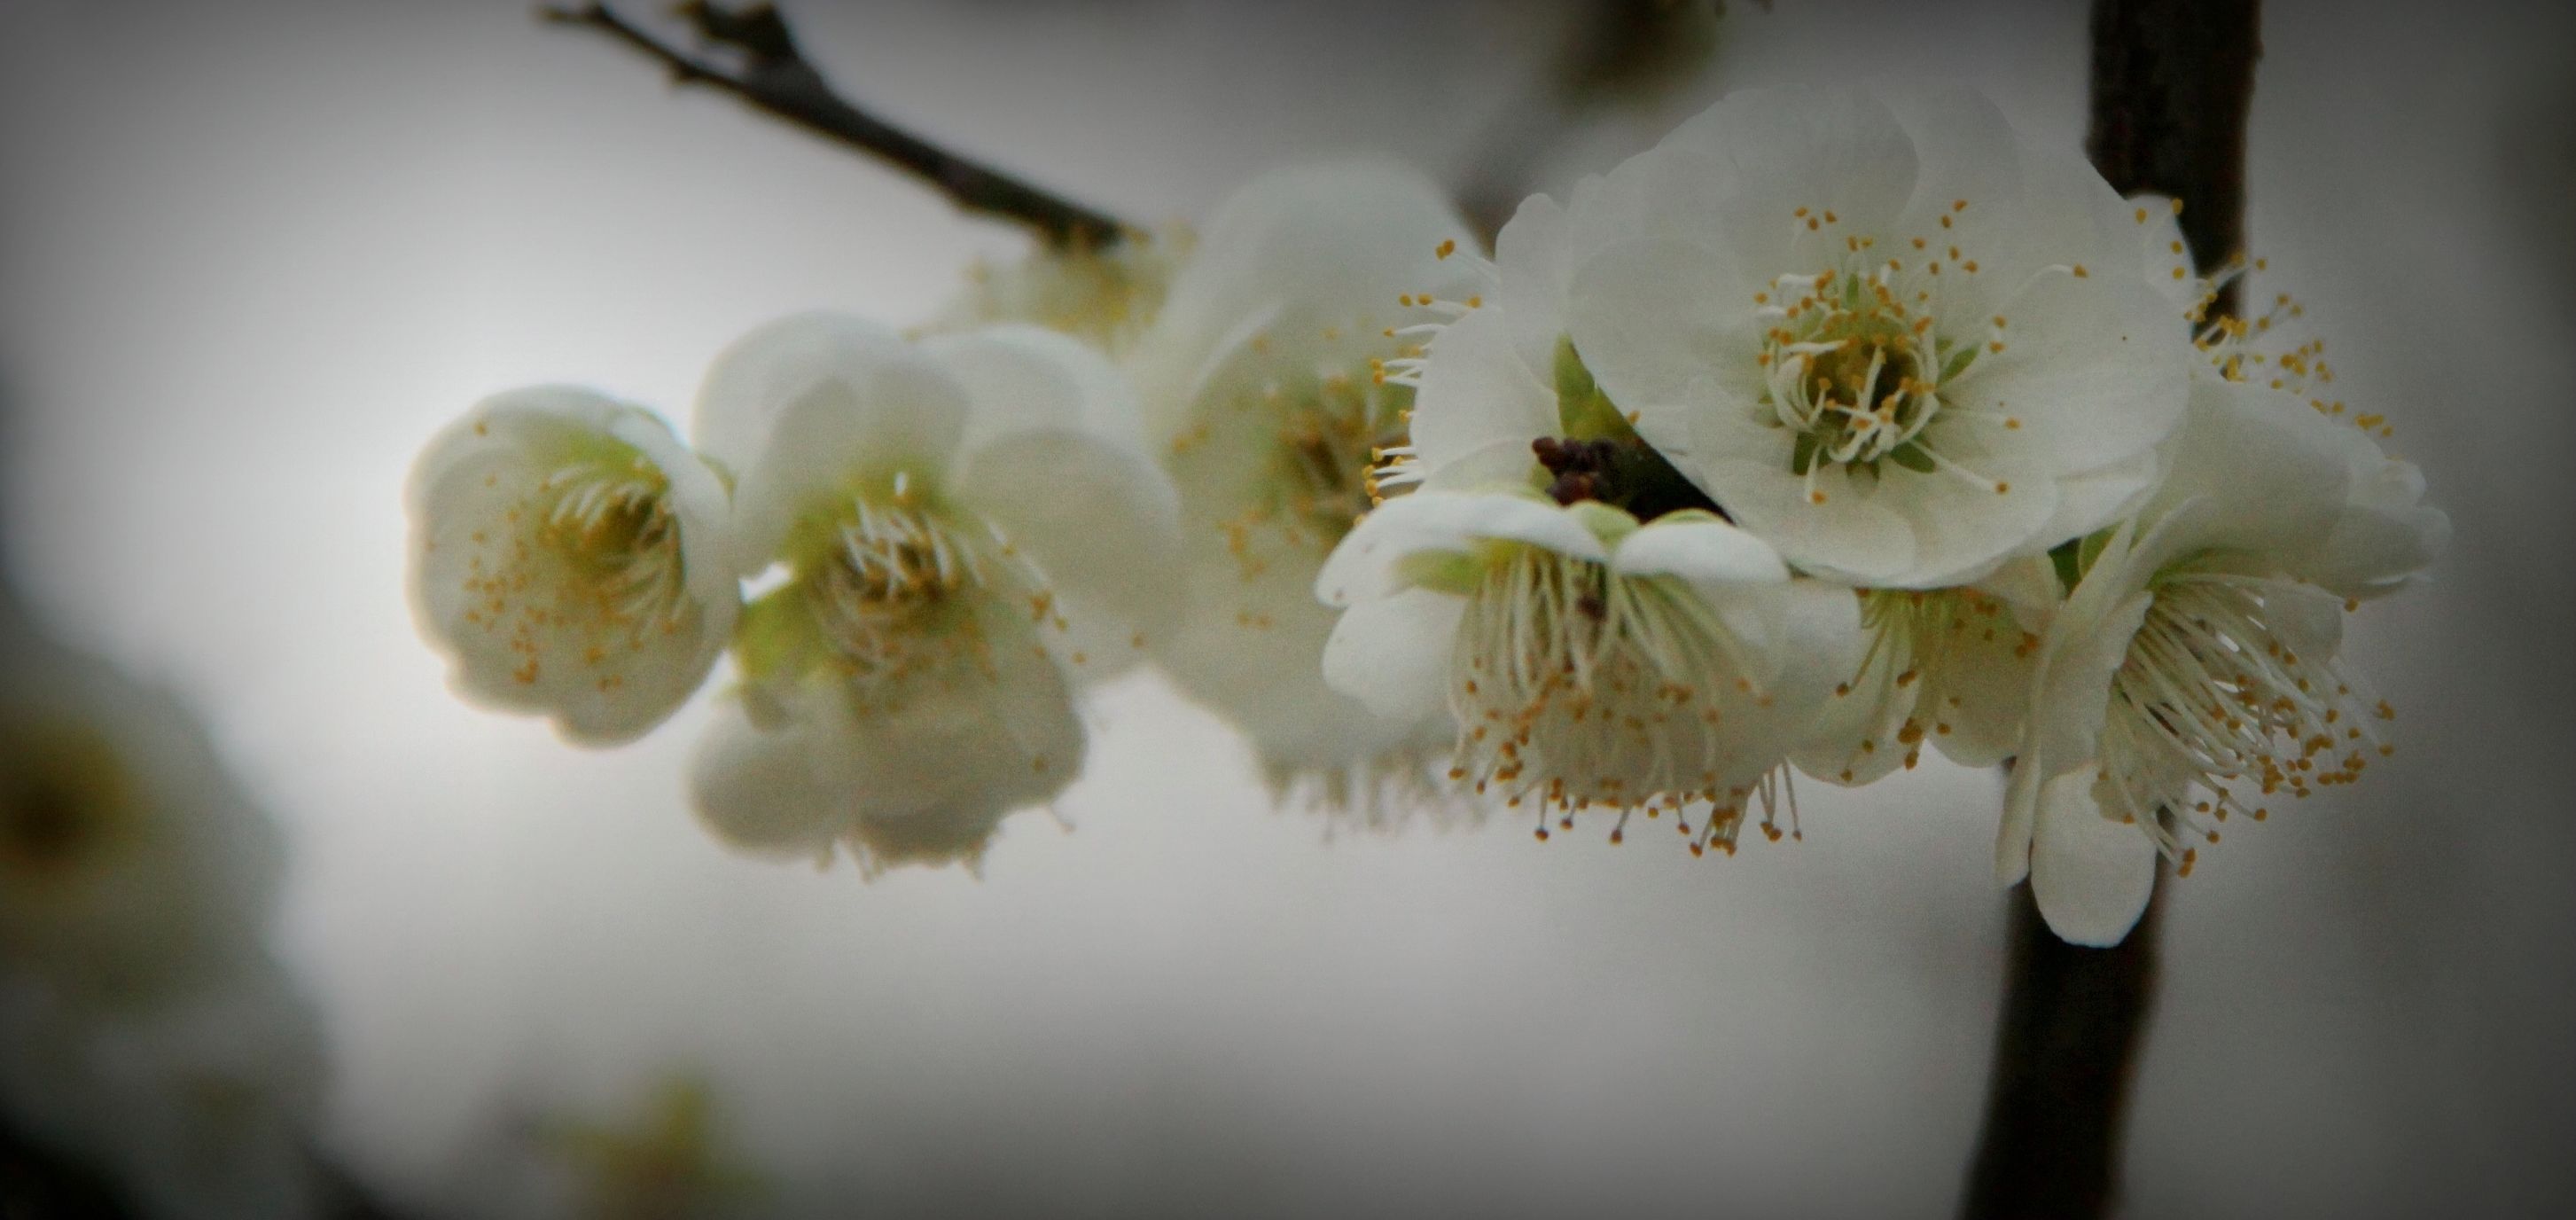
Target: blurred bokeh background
<point x="253" y="254"/>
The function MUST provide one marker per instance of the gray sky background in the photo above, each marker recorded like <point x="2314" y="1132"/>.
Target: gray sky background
<point x="253" y="255"/>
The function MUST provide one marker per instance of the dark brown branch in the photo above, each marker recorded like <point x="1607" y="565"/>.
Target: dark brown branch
<point x="2172" y="80"/>
<point x="775" y="77"/>
<point x="2057" y="1095"/>
<point x="2171" y="83"/>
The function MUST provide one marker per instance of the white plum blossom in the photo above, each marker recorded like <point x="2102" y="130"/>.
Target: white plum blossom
<point x="1598" y="635"/>
<point x="1262" y="386"/>
<point x="963" y="528"/>
<point x="1950" y="666"/>
<point x="133" y="865"/>
<point x="1900" y="345"/>
<point x="2191" y="674"/>
<point x="570" y="556"/>
<point x="1590" y="661"/>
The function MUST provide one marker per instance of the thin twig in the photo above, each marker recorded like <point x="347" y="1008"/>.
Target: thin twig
<point x="2172" y="81"/>
<point x="775" y="77"/>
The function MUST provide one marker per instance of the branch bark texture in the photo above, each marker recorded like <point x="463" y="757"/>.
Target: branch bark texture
<point x="774" y="76"/>
<point x="2171" y="84"/>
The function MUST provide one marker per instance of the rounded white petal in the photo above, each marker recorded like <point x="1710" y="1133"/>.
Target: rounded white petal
<point x="756" y="376"/>
<point x="1699" y="549"/>
<point x="901" y="413"/>
<point x="1100" y="523"/>
<point x="2384" y="535"/>
<point x="1022" y="378"/>
<point x="1532" y="267"/>
<point x="934" y="761"/>
<point x="2090" y="875"/>
<point x="1367" y="563"/>
<point x="2096" y="369"/>
<point x="1668" y="328"/>
<point x="761" y="788"/>
<point x="1393" y="653"/>
<point x="2253" y="469"/>
<point x="1354" y="234"/>
<point x="1835" y="150"/>
<point x="1476" y="391"/>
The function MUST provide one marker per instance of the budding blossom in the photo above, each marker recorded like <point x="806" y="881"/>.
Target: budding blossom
<point x="963" y="528"/>
<point x="1262" y="390"/>
<point x="571" y="557"/>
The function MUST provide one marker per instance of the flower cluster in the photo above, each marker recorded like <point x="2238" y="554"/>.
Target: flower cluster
<point x="946" y="535"/>
<point x="1824" y="431"/>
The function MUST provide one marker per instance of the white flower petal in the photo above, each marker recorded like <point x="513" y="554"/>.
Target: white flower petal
<point x="2253" y="469"/>
<point x="1351" y="234"/>
<point x="933" y="763"/>
<point x="1393" y="653"/>
<point x="756" y="376"/>
<point x="1667" y="328"/>
<point x="1832" y="150"/>
<point x="2385" y="535"/>
<point x="762" y="791"/>
<point x="1502" y="464"/>
<point x="903" y="414"/>
<point x="1851" y="535"/>
<point x="2090" y="875"/>
<point x="1366" y="564"/>
<point x="2097" y="498"/>
<point x="1699" y="549"/>
<point x="1023" y="378"/>
<point x="1532" y="265"/>
<point x="1476" y="391"/>
<point x="2095" y="369"/>
<point x="1100" y="522"/>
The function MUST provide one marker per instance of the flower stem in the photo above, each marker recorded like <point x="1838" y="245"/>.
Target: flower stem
<point x="775" y="77"/>
<point x="2171" y="82"/>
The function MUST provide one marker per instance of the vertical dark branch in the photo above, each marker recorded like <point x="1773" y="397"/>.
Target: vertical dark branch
<point x="2171" y="83"/>
<point x="2059" y="1089"/>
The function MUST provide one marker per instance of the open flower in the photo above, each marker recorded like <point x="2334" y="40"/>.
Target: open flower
<point x="570" y="556"/>
<point x="965" y="525"/>
<point x="1261" y="385"/>
<point x="2191" y="674"/>
<point x="1949" y="666"/>
<point x="133" y="865"/>
<point x="1901" y="347"/>
<point x="1589" y="661"/>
